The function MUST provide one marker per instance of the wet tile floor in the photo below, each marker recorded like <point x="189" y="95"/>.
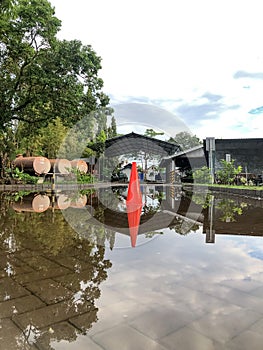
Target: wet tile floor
<point x="173" y="293"/>
<point x="62" y="289"/>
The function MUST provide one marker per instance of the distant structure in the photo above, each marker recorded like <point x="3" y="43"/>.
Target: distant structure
<point x="245" y="152"/>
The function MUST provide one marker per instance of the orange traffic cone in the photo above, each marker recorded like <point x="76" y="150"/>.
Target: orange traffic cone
<point x="134" y="204"/>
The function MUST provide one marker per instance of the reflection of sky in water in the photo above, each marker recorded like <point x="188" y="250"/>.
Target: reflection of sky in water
<point x="253" y="246"/>
<point x="189" y="257"/>
<point x="124" y="241"/>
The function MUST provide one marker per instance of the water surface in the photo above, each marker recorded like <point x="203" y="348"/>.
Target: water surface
<point x="71" y="280"/>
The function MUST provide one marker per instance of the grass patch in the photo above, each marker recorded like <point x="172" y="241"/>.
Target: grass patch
<point x="241" y="187"/>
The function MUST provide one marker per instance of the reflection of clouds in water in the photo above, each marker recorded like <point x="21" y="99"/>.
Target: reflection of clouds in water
<point x="252" y="246"/>
<point x="257" y="253"/>
<point x="186" y="260"/>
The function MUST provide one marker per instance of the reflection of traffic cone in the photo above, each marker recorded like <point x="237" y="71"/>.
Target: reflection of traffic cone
<point x="134" y="217"/>
<point x="134" y="204"/>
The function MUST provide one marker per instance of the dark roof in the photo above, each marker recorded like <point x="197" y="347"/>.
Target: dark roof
<point x="133" y="142"/>
<point x="127" y="166"/>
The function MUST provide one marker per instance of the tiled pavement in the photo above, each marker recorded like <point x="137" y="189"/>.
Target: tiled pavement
<point x="44" y="305"/>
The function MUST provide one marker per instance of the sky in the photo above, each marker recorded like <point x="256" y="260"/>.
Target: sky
<point x="194" y="65"/>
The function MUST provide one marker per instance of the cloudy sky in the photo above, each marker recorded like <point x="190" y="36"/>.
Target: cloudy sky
<point x="197" y="61"/>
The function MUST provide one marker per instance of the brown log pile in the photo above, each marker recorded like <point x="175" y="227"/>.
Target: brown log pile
<point x="62" y="166"/>
<point x="33" y="203"/>
<point x="81" y="165"/>
<point x="32" y="165"/>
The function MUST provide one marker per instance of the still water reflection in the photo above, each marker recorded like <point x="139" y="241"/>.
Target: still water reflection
<point x="70" y="280"/>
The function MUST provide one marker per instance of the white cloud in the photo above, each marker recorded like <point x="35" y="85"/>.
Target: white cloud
<point x="175" y="50"/>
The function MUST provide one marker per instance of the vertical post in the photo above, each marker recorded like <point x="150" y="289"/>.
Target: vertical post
<point x="172" y="178"/>
<point x="53" y="181"/>
<point x="210" y="148"/>
<point x="53" y="192"/>
<point x="210" y="232"/>
<point x="246" y="173"/>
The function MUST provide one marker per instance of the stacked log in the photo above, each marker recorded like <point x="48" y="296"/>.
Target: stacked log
<point x="62" y="202"/>
<point x="33" y="203"/>
<point x="81" y="165"/>
<point x="32" y="165"/>
<point x="79" y="202"/>
<point x="62" y="166"/>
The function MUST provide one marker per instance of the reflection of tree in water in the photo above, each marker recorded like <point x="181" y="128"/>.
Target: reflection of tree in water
<point x="183" y="227"/>
<point x="148" y="209"/>
<point x="43" y="258"/>
<point x="202" y="198"/>
<point x="151" y="234"/>
<point x="81" y="221"/>
<point x="230" y="209"/>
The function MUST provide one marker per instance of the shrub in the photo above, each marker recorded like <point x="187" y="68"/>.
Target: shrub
<point x="227" y="174"/>
<point x="202" y="175"/>
<point x="22" y="177"/>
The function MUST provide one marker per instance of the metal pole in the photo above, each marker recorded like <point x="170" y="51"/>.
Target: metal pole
<point x="210" y="148"/>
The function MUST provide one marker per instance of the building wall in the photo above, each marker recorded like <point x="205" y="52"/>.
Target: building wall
<point x="247" y="152"/>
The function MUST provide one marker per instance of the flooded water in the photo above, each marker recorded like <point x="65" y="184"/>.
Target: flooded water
<point x="77" y="273"/>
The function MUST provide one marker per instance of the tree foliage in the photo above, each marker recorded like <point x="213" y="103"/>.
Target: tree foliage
<point x="185" y="140"/>
<point x="112" y="129"/>
<point x="152" y="133"/>
<point x="42" y="77"/>
<point x="46" y="85"/>
<point x="202" y="175"/>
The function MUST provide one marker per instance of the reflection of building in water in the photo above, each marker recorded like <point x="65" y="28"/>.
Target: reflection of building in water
<point x="163" y="207"/>
<point x="50" y="280"/>
<point x="185" y="213"/>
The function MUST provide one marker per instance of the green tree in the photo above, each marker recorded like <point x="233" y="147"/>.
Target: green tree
<point x="51" y="138"/>
<point x="27" y="140"/>
<point x="112" y="130"/>
<point x="98" y="146"/>
<point x="42" y="77"/>
<point x="38" y="141"/>
<point x="185" y="140"/>
<point x="227" y="174"/>
<point x="152" y="133"/>
<point x="7" y="150"/>
<point x="5" y="6"/>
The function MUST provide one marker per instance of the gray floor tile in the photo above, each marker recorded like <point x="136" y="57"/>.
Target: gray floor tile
<point x="258" y="292"/>
<point x="64" y="336"/>
<point x="114" y="314"/>
<point x="125" y="338"/>
<point x="82" y="342"/>
<point x="188" y="339"/>
<point x="246" y="340"/>
<point x="159" y="322"/>
<point x="221" y="327"/>
<point x="257" y="326"/>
